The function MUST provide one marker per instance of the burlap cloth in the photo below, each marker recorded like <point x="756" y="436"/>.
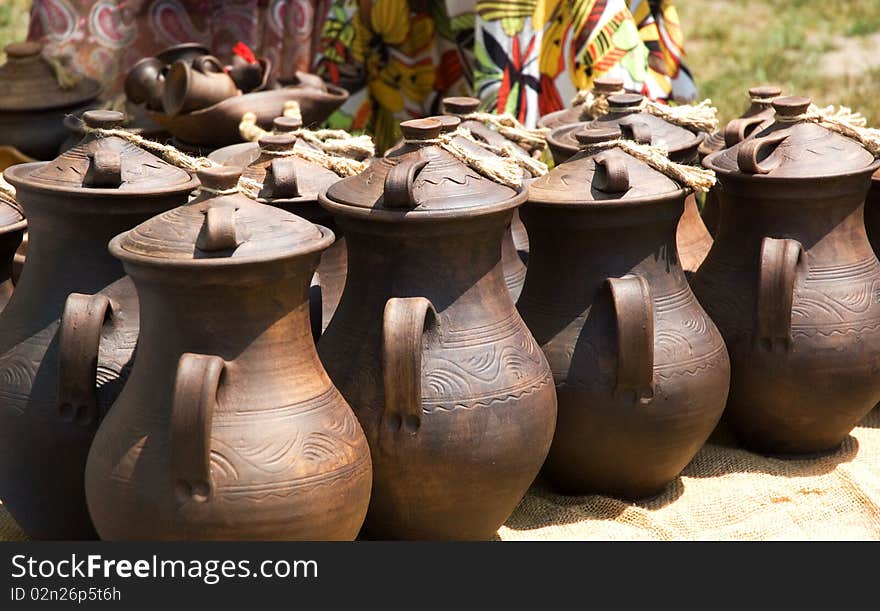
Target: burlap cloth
<point x="725" y="493"/>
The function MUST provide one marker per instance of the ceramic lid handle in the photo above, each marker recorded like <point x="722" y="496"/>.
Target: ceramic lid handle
<point x="739" y="129"/>
<point x="219" y="231"/>
<point x="460" y="105"/>
<point x="24" y="49"/>
<point x="607" y="84"/>
<point x="403" y="326"/>
<point x="777" y="274"/>
<point x="282" y="125"/>
<point x="192" y="411"/>
<point x="635" y="130"/>
<point x="634" y="310"/>
<point x="612" y="175"/>
<point x="756" y="156"/>
<point x="399" y="182"/>
<point x="79" y="339"/>
<point x="207" y="64"/>
<point x="104" y="171"/>
<point x="281" y="179"/>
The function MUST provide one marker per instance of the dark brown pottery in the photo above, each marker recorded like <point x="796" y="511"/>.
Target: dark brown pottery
<point x="196" y="85"/>
<point x="228" y="427"/>
<point x="759" y="115"/>
<point x="293" y="184"/>
<point x="33" y="105"/>
<point x="454" y="395"/>
<point x="872" y="213"/>
<point x="69" y="331"/>
<point x="217" y="125"/>
<point x="604" y="85"/>
<point x="145" y="83"/>
<point x="12" y="228"/>
<point x="792" y="283"/>
<point x="641" y="372"/>
<point x="517" y="240"/>
<point x="186" y="51"/>
<point x="136" y="121"/>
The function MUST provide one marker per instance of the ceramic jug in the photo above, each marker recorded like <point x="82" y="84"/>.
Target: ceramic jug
<point x="33" y="104"/>
<point x="194" y="85"/>
<point x="292" y="183"/>
<point x="453" y="393"/>
<point x="12" y="228"/>
<point x="625" y="113"/>
<point x="641" y="372"/>
<point x="63" y="360"/>
<point x="760" y="113"/>
<point x="228" y="427"/>
<point x="792" y="281"/>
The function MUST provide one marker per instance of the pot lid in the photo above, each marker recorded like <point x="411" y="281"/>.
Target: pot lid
<point x="760" y="111"/>
<point x="220" y="224"/>
<point x="108" y="163"/>
<point x="604" y="85"/>
<point x="30" y="84"/>
<point x="792" y="148"/>
<point x="607" y="176"/>
<point x="10" y="214"/>
<point x="460" y="107"/>
<point x="419" y="179"/>
<point x="287" y="177"/>
<point x="625" y="112"/>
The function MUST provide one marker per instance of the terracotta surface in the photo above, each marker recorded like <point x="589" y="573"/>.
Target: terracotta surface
<point x="247" y="438"/>
<point x="69" y="331"/>
<point x="12" y="228"/>
<point x="454" y="395"/>
<point x="641" y="372"/>
<point x="791" y="283"/>
<point x="577" y="114"/>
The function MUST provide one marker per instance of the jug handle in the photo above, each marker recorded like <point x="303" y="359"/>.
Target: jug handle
<point x="777" y="274"/>
<point x="635" y="130"/>
<point x="737" y="130"/>
<point x="208" y="63"/>
<point x="403" y="326"/>
<point x="399" y="183"/>
<point x="634" y="310"/>
<point x="750" y="152"/>
<point x="79" y="339"/>
<point x="192" y="410"/>
<point x="281" y="176"/>
<point x="104" y="171"/>
<point x="616" y="176"/>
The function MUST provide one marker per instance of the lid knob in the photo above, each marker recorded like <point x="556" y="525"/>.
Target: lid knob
<point x="449" y="123"/>
<point x="460" y="105"/>
<point x="277" y="142"/>
<point x="421" y="129"/>
<point x="219" y="178"/>
<point x="792" y="106"/>
<point x="607" y="84"/>
<point x="103" y="119"/>
<point x="21" y="50"/>
<point x="625" y="101"/>
<point x="765" y="92"/>
<point x="286" y="124"/>
<point x="595" y="135"/>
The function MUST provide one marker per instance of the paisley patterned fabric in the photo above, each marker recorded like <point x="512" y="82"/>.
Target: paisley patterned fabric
<point x="104" y="38"/>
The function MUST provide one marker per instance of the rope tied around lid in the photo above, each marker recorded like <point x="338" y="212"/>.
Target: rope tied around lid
<point x="841" y="120"/>
<point x="533" y="166"/>
<point x="700" y="117"/>
<point x="7" y="195"/>
<point x="698" y="179"/>
<point x="64" y="76"/>
<point x="595" y="103"/>
<point x="508" y="126"/>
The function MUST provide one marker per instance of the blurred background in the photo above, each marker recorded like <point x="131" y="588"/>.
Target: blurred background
<point x="826" y="49"/>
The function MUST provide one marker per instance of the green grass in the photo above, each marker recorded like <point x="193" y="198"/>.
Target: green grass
<point x="13" y="20"/>
<point x="734" y="44"/>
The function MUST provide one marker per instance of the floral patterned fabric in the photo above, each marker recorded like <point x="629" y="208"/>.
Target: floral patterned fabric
<point x="104" y="38"/>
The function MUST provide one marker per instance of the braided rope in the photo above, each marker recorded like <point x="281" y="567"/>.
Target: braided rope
<point x="843" y="121"/>
<point x="65" y="78"/>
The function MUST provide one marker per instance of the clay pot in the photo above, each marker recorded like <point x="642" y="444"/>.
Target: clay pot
<point x="641" y="372"/>
<point x="145" y="83"/>
<point x="186" y="52"/>
<point x="604" y="85"/>
<point x="196" y="85"/>
<point x="33" y="105"/>
<point x="791" y="283"/>
<point x="293" y="184"/>
<point x="64" y="359"/>
<point x="136" y="121"/>
<point x="217" y="125"/>
<point x="251" y="76"/>
<point x="454" y="395"/>
<point x="12" y="229"/>
<point x="625" y="114"/>
<point x="872" y="213"/>
<point x="247" y="437"/>
<point x="759" y="115"/>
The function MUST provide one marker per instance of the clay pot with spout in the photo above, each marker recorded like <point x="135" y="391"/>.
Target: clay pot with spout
<point x="759" y="114"/>
<point x="641" y="371"/>
<point x="196" y="85"/>
<point x="69" y="331"/>
<point x="625" y="113"/>
<point x="236" y="434"/>
<point x="792" y="284"/>
<point x="453" y="393"/>
<point x="292" y="183"/>
<point x="33" y="104"/>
